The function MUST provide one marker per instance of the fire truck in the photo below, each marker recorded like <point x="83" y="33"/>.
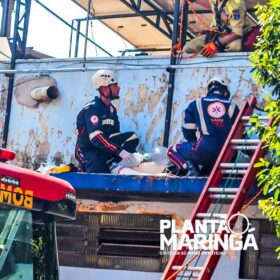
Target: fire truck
<point x="30" y="204"/>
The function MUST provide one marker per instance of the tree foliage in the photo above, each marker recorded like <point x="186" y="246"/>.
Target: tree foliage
<point x="266" y="61"/>
<point x="266" y="56"/>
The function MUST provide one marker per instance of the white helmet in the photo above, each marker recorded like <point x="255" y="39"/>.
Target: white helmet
<point x="103" y="78"/>
<point x="216" y="83"/>
<point x="218" y="80"/>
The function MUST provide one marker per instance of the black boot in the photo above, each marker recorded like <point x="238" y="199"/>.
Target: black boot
<point x="193" y="169"/>
<point x="174" y="170"/>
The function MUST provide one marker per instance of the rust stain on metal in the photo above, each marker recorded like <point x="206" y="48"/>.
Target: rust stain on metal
<point x="26" y="84"/>
<point x="3" y="99"/>
<point x="154" y="100"/>
<point x="195" y="94"/>
<point x="176" y="217"/>
<point x="59" y="134"/>
<point x="3" y="102"/>
<point x="154" y="123"/>
<point x="129" y="103"/>
<point x="165" y="81"/>
<point x="35" y="151"/>
<point x="101" y="207"/>
<point x="58" y="159"/>
<point x="177" y="136"/>
<point x="68" y="139"/>
<point x="43" y="123"/>
<point x="142" y="97"/>
<point x="158" y="141"/>
<point x="116" y="103"/>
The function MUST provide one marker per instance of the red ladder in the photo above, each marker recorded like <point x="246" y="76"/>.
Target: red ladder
<point x="175" y="268"/>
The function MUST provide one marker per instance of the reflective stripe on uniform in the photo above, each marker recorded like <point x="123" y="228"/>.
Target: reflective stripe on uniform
<point x="114" y="134"/>
<point x="231" y="109"/>
<point x="132" y="137"/>
<point x="94" y="133"/>
<point x="106" y="143"/>
<point x="189" y="126"/>
<point x="201" y="117"/>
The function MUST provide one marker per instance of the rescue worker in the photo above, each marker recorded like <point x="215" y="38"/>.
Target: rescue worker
<point x="100" y="142"/>
<point x="229" y="20"/>
<point x="213" y="117"/>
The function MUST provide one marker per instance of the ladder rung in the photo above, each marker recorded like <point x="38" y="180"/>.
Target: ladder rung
<point x="246" y="118"/>
<point x="189" y="268"/>
<point x="188" y="275"/>
<point x="223" y="196"/>
<point x="234" y="171"/>
<point x="250" y="125"/>
<point x="245" y="147"/>
<point x="223" y="190"/>
<point x="211" y="215"/>
<point x="237" y="165"/>
<point x="245" y="141"/>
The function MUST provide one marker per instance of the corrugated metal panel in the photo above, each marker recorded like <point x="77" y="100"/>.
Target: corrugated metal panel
<point x="268" y="257"/>
<point x="262" y="264"/>
<point x="129" y="263"/>
<point x="268" y="272"/>
<point x="68" y="230"/>
<point x="269" y="241"/>
<point x="131" y="221"/>
<point x="86" y="247"/>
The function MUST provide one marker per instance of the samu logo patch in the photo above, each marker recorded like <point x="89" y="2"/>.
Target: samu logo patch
<point x="216" y="110"/>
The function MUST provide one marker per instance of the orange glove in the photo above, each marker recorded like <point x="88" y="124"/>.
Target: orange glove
<point x="209" y="49"/>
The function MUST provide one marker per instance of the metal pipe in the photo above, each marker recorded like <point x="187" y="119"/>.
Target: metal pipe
<point x="11" y="78"/>
<point x="77" y="39"/>
<point x="252" y="18"/>
<point x="71" y="38"/>
<point x="87" y="24"/>
<point x="185" y="22"/>
<point x="146" y="18"/>
<point x="128" y="15"/>
<point x="5" y="18"/>
<point x="132" y="67"/>
<point x="25" y="26"/>
<point x="69" y="25"/>
<point x="171" y="76"/>
<point x="47" y="93"/>
<point x="145" y="13"/>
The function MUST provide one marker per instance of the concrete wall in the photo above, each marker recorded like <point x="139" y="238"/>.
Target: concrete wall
<point x="45" y="132"/>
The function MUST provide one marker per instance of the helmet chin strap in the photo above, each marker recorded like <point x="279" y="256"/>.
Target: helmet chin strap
<point x="110" y="95"/>
<point x="113" y="97"/>
<point x="220" y="89"/>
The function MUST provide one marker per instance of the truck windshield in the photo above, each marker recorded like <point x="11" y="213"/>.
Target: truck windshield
<point x="27" y="245"/>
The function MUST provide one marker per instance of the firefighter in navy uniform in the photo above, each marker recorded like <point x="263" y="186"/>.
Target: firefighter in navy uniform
<point x="100" y="142"/>
<point x="213" y="117"/>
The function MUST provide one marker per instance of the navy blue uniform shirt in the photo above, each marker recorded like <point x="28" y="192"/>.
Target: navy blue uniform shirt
<point x="212" y="116"/>
<point x="95" y="124"/>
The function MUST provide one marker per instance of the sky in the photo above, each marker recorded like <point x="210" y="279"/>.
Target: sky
<point x="49" y="35"/>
